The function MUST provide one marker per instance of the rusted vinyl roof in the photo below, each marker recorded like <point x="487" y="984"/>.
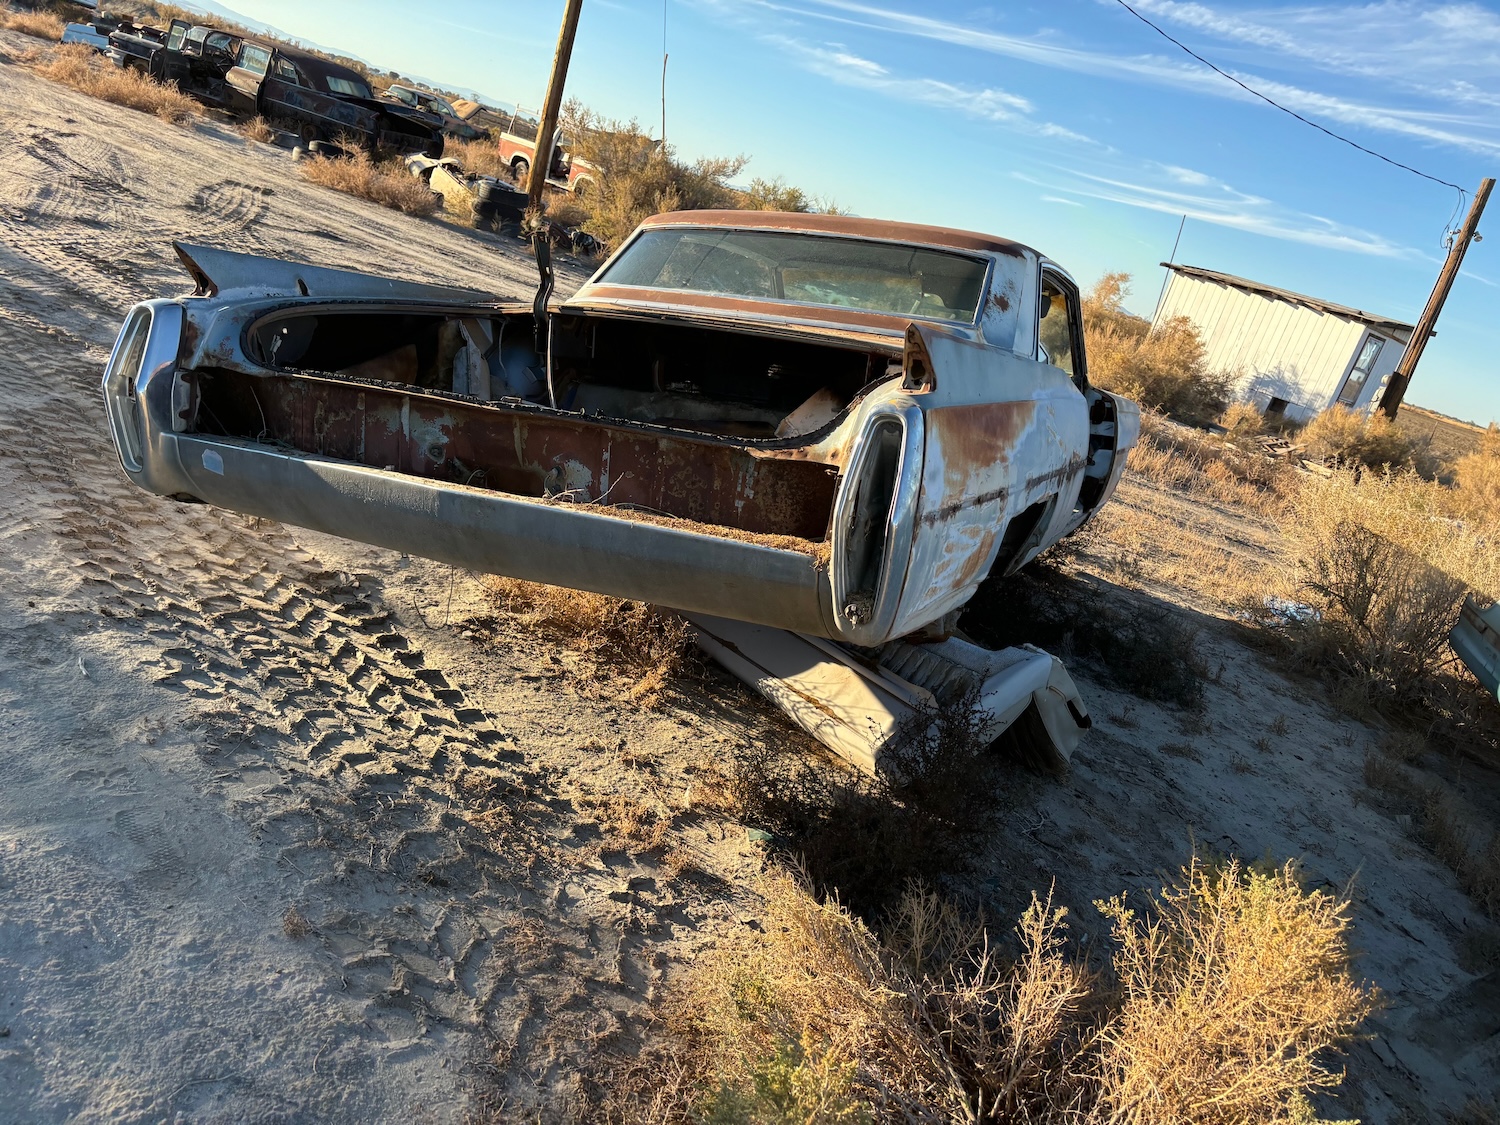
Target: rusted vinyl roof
<point x="1287" y="295"/>
<point x="842" y="224"/>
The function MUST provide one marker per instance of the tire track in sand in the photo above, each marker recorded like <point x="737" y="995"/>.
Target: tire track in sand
<point x="431" y="870"/>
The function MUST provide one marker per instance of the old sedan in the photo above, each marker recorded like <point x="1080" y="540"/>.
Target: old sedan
<point x="829" y="425"/>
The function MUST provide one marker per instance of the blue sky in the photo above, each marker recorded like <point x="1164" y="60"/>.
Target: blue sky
<point x="1069" y="125"/>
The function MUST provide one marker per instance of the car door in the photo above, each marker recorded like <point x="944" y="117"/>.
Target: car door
<point x="243" y="80"/>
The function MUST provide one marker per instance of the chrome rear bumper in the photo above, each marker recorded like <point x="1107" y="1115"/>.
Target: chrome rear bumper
<point x="474" y="528"/>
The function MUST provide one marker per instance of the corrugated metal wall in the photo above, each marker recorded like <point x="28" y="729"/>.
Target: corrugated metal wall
<point x="1274" y="348"/>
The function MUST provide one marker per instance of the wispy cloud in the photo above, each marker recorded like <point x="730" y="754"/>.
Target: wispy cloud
<point x="1476" y="133"/>
<point x="1220" y="204"/>
<point x="1447" y="51"/>
<point x="835" y="62"/>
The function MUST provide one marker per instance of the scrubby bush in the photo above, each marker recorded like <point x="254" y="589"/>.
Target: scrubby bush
<point x="1243" y="420"/>
<point x="1342" y="436"/>
<point x="639" y="177"/>
<point x="42" y="25"/>
<point x="1478" y="476"/>
<point x="616" y="636"/>
<point x="1387" y="557"/>
<point x="385" y="182"/>
<point x="1162" y="369"/>
<point x="1223" y="997"/>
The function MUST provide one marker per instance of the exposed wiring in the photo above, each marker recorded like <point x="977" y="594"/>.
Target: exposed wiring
<point x="1269" y="101"/>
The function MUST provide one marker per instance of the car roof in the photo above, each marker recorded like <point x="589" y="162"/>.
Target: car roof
<point x="846" y="225"/>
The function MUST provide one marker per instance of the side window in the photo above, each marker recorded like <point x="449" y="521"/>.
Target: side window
<point x="174" y="40"/>
<point x="1057" y="329"/>
<point x="255" y="59"/>
<point x="220" y="42"/>
<point x="287" y="72"/>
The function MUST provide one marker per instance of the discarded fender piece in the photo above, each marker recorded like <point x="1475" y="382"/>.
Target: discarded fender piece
<point x="1476" y="639"/>
<point x="855" y="704"/>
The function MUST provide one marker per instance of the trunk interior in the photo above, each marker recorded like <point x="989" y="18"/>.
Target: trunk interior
<point x="666" y="420"/>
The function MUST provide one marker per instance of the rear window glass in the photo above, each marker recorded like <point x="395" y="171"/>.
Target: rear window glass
<point x="812" y="269"/>
<point x="350" y="87"/>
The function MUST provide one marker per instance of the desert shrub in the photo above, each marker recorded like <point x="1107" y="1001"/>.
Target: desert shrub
<point x="1386" y="612"/>
<point x="1162" y="370"/>
<point x="386" y="182"/>
<point x="1224" y="996"/>
<point x="615" y="636"/>
<point x="1387" y="557"/>
<point x="1232" y="988"/>
<point x="1146" y="650"/>
<point x="1478" y="477"/>
<point x="1342" y="436"/>
<point x="1243" y="420"/>
<point x="257" y="128"/>
<point x="775" y="195"/>
<point x="639" y="177"/>
<point x="43" y="25"/>
<point x="76" y="65"/>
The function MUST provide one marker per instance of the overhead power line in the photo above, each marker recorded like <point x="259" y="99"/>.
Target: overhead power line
<point x="1270" y="101"/>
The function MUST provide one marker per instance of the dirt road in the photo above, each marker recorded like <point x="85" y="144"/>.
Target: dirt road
<point x="284" y="835"/>
<point x="265" y="851"/>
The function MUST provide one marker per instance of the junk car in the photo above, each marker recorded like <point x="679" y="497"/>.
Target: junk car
<point x="306" y="94"/>
<point x="824" y="424"/>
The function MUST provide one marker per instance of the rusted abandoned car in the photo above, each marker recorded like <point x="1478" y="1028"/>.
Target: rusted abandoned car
<point x="304" y="93"/>
<point x="832" y="426"/>
<point x="1476" y="640"/>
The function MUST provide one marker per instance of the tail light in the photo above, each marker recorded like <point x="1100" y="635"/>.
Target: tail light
<point x="121" y="382"/>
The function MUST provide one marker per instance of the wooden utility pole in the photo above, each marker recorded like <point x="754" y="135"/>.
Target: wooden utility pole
<point x="541" y="158"/>
<point x="1395" y="387"/>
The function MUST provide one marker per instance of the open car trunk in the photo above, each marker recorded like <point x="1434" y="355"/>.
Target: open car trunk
<point x="655" y="420"/>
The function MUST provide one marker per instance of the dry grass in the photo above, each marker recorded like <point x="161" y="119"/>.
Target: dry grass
<point x="481" y="157"/>
<point x="76" y="65"/>
<point x="1162" y="370"/>
<point x="43" y="25"/>
<point x="616" y="637"/>
<point x="1341" y="436"/>
<point x="257" y="129"/>
<point x="1478" y="478"/>
<point x="385" y="182"/>
<point x="1242" y="420"/>
<point x="294" y="925"/>
<point x="1224" y="997"/>
<point x="1388" y="558"/>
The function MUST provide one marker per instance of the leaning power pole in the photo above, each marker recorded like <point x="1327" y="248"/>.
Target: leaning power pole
<point x="541" y="158"/>
<point x="1395" y="387"/>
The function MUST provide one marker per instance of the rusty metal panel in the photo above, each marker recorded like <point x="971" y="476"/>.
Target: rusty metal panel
<point x="529" y="451"/>
<point x="1002" y="435"/>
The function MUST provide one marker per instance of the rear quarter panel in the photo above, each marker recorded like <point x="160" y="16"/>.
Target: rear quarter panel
<point x="1002" y="433"/>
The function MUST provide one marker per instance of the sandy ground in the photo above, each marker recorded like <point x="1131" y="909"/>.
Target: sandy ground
<point x="286" y="834"/>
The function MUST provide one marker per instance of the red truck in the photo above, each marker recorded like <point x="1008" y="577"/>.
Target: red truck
<point x="569" y="172"/>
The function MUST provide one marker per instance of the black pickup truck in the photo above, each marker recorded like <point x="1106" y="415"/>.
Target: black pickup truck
<point x="304" y="93"/>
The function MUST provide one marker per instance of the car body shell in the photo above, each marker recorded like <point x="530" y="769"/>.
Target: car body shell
<point x="1476" y="640"/>
<point x="964" y="458"/>
<point x="302" y="92"/>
